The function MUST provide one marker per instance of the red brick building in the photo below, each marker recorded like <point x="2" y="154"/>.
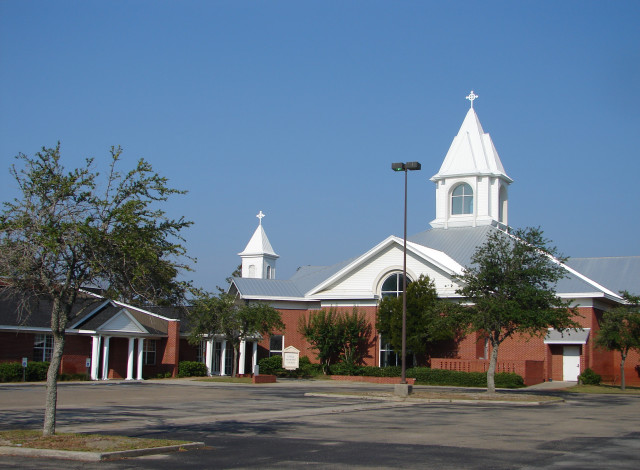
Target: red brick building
<point x="113" y="340"/>
<point x="471" y="202"/>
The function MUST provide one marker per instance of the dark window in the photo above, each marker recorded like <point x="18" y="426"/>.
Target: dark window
<point x="42" y="347"/>
<point x="275" y="345"/>
<point x="392" y="286"/>
<point x="149" y="352"/>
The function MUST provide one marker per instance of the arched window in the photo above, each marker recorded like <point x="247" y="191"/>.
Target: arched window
<point x="392" y="286"/>
<point x="252" y="271"/>
<point x="269" y="272"/>
<point x="462" y="200"/>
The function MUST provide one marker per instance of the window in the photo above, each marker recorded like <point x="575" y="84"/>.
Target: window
<point x="252" y="271"/>
<point x="392" y="286"/>
<point x="388" y="357"/>
<point x="201" y="354"/>
<point x="42" y="347"/>
<point x="149" y="358"/>
<point x="462" y="200"/>
<point x="276" y="343"/>
<point x="269" y="272"/>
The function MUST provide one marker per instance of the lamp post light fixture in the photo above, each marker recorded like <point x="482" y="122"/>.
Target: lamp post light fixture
<point x="406" y="167"/>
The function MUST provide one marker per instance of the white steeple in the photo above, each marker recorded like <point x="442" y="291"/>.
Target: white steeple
<point x="471" y="186"/>
<point x="258" y="258"/>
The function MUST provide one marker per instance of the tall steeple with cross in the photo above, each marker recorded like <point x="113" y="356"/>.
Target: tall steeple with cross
<point x="472" y="185"/>
<point x="258" y="258"/>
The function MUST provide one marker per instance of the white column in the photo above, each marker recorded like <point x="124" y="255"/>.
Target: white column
<point x="105" y="358"/>
<point x="243" y="350"/>
<point x="254" y="358"/>
<point x="130" y="359"/>
<point x="95" y="356"/>
<point x="209" y="356"/>
<point x="223" y="358"/>
<point x="140" y="357"/>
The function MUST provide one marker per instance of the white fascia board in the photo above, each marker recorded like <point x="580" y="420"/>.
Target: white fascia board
<point x="275" y="298"/>
<point x="355" y="263"/>
<point x="435" y="257"/>
<point x="90" y="314"/>
<point x="18" y="328"/>
<point x="129" y="316"/>
<point x="146" y="312"/>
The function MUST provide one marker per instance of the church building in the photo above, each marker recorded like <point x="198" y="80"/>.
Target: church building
<point x="472" y="201"/>
<point x="112" y="340"/>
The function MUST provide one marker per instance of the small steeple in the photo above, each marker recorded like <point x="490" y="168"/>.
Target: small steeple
<point x="471" y="186"/>
<point x="258" y="257"/>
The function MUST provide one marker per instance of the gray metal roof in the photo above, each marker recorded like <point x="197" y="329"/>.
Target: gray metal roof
<point x="616" y="273"/>
<point x="460" y="243"/>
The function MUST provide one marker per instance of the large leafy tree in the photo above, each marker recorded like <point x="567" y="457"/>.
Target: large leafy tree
<point x="225" y="315"/>
<point x="337" y="336"/>
<point x="511" y="285"/>
<point x="620" y="330"/>
<point x="429" y="319"/>
<point x="70" y="229"/>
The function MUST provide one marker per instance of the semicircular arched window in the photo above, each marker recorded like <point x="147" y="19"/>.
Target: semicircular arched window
<point x="392" y="285"/>
<point x="462" y="200"/>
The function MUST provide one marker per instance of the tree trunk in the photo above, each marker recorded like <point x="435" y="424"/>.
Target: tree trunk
<point x="491" y="373"/>
<point x="623" y="357"/>
<point x="51" y="400"/>
<point x="234" y="369"/>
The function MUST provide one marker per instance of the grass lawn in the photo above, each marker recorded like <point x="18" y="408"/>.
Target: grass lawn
<point x="80" y="442"/>
<point x="611" y="389"/>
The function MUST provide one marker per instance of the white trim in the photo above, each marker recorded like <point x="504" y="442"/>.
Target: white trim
<point x="91" y="313"/>
<point x="125" y="313"/>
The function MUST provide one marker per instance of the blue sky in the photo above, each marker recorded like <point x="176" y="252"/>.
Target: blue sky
<point x="298" y="109"/>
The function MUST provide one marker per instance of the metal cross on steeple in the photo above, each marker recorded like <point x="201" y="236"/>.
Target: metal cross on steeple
<point x="260" y="216"/>
<point x="472" y="96"/>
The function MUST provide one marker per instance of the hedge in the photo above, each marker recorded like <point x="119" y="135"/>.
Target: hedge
<point x="12" y="371"/>
<point x="426" y="376"/>
<point x="273" y="366"/>
<point x="192" y="369"/>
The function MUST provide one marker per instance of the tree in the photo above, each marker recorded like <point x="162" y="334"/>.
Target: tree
<point x="620" y="330"/>
<point x="223" y="314"/>
<point x="429" y="319"/>
<point x="355" y="336"/>
<point x="67" y="232"/>
<point x="336" y="336"/>
<point x="512" y="288"/>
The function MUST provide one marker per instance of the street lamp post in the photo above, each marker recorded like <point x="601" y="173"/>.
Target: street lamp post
<point x="406" y="167"/>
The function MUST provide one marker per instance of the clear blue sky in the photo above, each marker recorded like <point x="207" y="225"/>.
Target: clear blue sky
<point x="298" y="109"/>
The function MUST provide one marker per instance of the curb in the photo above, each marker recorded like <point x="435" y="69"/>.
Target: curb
<point x="438" y="400"/>
<point x="95" y="456"/>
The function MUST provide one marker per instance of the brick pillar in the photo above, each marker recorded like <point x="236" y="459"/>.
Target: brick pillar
<point x="172" y="351"/>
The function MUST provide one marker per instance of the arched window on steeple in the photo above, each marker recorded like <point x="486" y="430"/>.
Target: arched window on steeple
<point x="462" y="200"/>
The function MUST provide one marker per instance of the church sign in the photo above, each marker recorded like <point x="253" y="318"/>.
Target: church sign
<point x="290" y="358"/>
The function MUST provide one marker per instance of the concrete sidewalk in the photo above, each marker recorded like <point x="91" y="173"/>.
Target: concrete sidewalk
<point x="550" y="386"/>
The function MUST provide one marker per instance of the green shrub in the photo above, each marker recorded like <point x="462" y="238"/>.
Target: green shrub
<point x="589" y="377"/>
<point x="192" y="369"/>
<point x="426" y="376"/>
<point x="12" y="371"/>
<point x="273" y="366"/>
<point x="73" y="377"/>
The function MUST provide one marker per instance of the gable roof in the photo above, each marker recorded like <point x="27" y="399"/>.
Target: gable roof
<point x="450" y="250"/>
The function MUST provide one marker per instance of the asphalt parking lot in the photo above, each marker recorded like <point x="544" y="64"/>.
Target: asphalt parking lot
<point x="277" y="426"/>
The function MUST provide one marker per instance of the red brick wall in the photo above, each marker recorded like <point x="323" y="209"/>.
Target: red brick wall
<point x="15" y="346"/>
<point x="293" y="338"/>
<point x="77" y="349"/>
<point x="171" y="354"/>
